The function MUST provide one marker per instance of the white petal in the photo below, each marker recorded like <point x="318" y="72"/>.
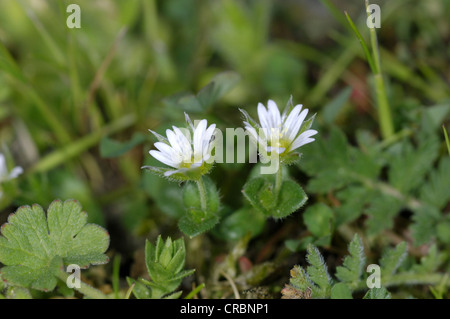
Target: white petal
<point x="263" y="116"/>
<point x="168" y="151"/>
<point x="252" y="132"/>
<point x="207" y="143"/>
<point x="278" y="150"/>
<point x="274" y="114"/>
<point x="291" y="121"/>
<point x="163" y="159"/>
<point x="16" y="171"/>
<point x="185" y="145"/>
<point x="298" y="123"/>
<point x="3" y="171"/>
<point x="303" y="139"/>
<point x="199" y="134"/>
<point x="173" y="140"/>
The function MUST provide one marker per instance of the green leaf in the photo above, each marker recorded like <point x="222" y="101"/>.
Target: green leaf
<point x="443" y="230"/>
<point x="241" y="222"/>
<point x="436" y="191"/>
<point x="218" y="87"/>
<point x="425" y="221"/>
<point x="436" y="115"/>
<point x="252" y="190"/>
<point x="353" y="199"/>
<point x="259" y="192"/>
<point x="110" y="148"/>
<point x="392" y="259"/>
<point x="191" y="196"/>
<point x="317" y="270"/>
<point x="14" y="292"/>
<point x="140" y="290"/>
<point x="430" y="262"/>
<point x="165" y="262"/>
<point x="300" y="286"/>
<point x="33" y="246"/>
<point x="299" y="244"/>
<point x="332" y="108"/>
<point x="341" y="291"/>
<point x="319" y="218"/>
<point x="353" y="266"/>
<point x="381" y="211"/>
<point x="291" y="198"/>
<point x="377" y="293"/>
<point x="408" y="166"/>
<point x="196" y="222"/>
<point x="221" y="84"/>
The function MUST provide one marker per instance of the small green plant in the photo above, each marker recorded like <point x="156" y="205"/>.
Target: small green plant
<point x="278" y="136"/>
<point x="165" y="266"/>
<point x="351" y="278"/>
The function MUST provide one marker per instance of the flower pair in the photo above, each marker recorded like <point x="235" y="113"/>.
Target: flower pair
<point x="189" y="151"/>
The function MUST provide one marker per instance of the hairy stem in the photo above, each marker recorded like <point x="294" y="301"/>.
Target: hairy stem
<point x="202" y="191"/>
<point x="278" y="180"/>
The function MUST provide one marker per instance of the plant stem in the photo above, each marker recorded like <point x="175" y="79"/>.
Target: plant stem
<point x="384" y="111"/>
<point x="278" y="180"/>
<point x="85" y="289"/>
<point x="447" y="141"/>
<point x="202" y="191"/>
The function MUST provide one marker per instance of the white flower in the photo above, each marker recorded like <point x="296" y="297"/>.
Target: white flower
<point x="181" y="152"/>
<point x="4" y="175"/>
<point x="280" y="133"/>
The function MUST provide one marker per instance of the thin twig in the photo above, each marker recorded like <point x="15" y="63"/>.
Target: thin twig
<point x="233" y="285"/>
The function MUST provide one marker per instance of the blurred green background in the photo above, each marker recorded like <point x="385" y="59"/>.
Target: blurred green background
<point x="76" y="104"/>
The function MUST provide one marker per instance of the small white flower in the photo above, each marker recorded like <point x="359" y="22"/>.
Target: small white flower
<point x="181" y="152"/>
<point x="280" y="133"/>
<point x="4" y="175"/>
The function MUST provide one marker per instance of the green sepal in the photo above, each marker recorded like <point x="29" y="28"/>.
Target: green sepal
<point x="182" y="176"/>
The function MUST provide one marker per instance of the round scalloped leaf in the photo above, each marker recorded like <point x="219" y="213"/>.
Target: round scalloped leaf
<point x="34" y="247"/>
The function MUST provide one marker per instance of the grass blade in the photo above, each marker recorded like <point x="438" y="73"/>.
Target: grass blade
<point x="447" y="141"/>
